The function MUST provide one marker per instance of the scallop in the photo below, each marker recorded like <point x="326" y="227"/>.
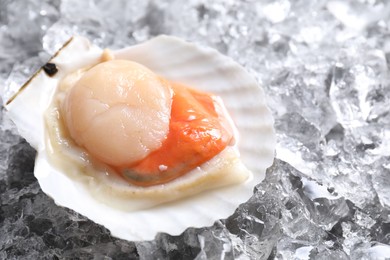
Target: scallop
<point x="94" y="111"/>
<point x="76" y="150"/>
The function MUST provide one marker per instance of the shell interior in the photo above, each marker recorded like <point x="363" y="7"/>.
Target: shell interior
<point x="176" y="60"/>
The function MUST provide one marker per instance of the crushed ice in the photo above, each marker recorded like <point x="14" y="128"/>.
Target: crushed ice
<point x="325" y="68"/>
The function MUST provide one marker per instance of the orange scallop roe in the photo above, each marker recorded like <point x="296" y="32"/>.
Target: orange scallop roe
<point x="196" y="135"/>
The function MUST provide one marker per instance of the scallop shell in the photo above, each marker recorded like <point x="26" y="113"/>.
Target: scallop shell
<point x="176" y="60"/>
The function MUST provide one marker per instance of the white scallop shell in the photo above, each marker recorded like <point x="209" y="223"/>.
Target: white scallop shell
<point x="176" y="60"/>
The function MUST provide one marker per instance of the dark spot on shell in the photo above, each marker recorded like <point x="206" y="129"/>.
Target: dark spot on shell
<point x="50" y="69"/>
